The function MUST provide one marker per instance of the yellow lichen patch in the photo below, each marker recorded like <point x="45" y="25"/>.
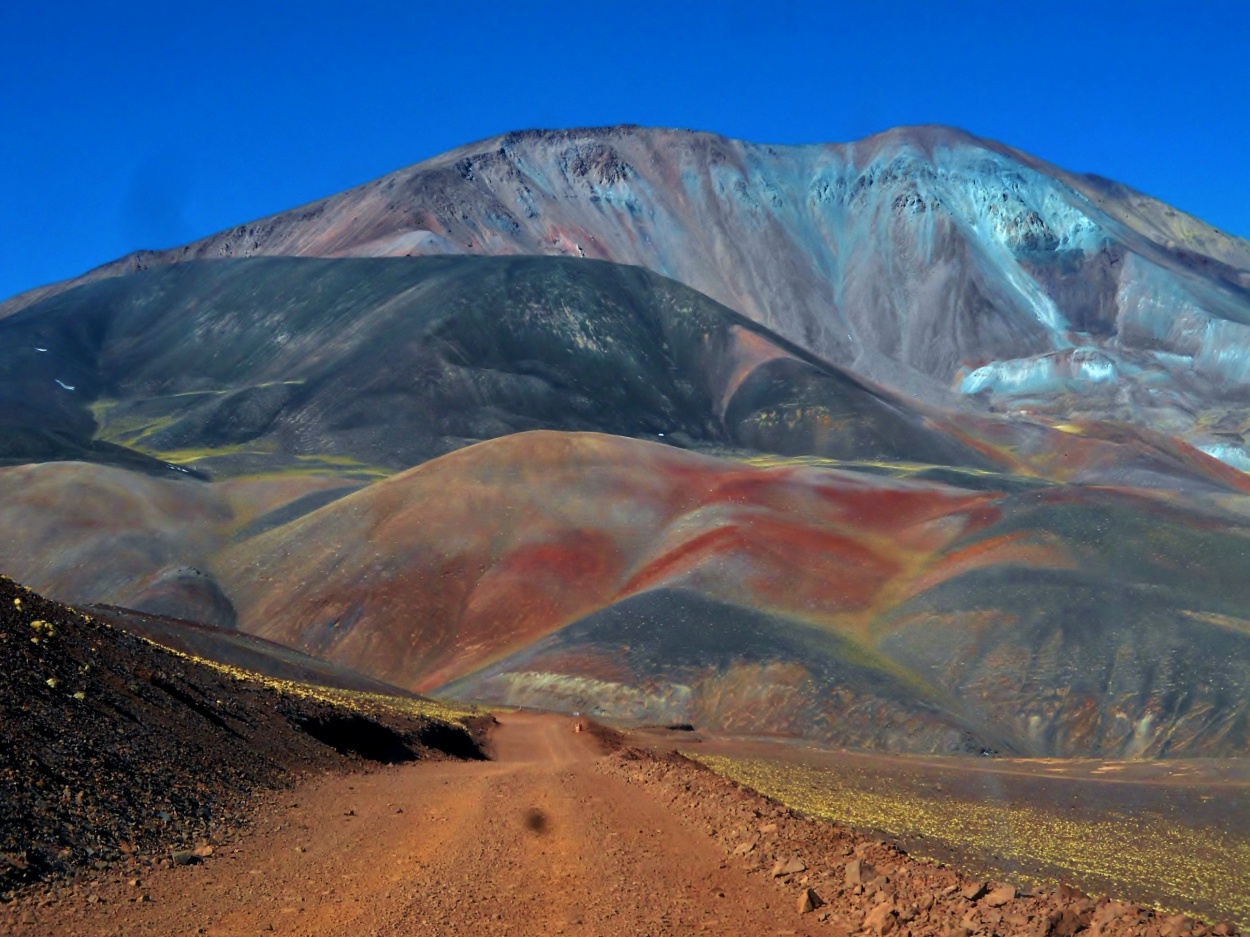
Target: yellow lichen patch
<point x="340" y="460"/>
<point x="187" y="456"/>
<point x="118" y="424"/>
<point x="1144" y="857"/>
<point x="1220" y="621"/>
<point x="42" y="628"/>
<point x="320" y="467"/>
<point x="353" y="700"/>
<point x="898" y="469"/>
<point x="344" y="466"/>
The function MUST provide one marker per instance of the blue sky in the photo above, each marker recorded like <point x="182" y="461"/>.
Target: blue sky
<point x="150" y="124"/>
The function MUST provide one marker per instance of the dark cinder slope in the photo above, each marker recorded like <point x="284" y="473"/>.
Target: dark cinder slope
<point x="239" y="650"/>
<point x="113" y="751"/>
<point x="679" y="656"/>
<point x="239" y="365"/>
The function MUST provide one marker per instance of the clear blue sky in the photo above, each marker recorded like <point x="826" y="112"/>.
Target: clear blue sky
<point x="149" y="124"/>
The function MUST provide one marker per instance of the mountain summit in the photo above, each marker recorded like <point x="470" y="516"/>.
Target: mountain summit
<point x="942" y="265"/>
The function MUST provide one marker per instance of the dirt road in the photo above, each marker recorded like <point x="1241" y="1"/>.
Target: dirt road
<point x="535" y="841"/>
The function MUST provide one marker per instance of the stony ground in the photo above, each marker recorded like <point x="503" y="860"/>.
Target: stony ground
<point x="114" y="751"/>
<point x="855" y="884"/>
<point x="554" y="836"/>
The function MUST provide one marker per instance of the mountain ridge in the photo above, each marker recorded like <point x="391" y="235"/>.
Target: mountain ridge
<point x="1231" y="249"/>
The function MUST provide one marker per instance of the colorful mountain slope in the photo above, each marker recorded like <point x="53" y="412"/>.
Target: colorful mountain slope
<point x="952" y="455"/>
<point x="102" y="534"/>
<point x="636" y="580"/>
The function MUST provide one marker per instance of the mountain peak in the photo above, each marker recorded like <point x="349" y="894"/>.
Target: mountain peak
<point x="946" y="266"/>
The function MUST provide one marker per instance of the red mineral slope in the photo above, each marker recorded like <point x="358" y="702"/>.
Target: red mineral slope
<point x="474" y="556"/>
<point x="584" y="571"/>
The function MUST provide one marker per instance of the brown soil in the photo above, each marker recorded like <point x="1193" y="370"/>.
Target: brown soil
<point x="1188" y="848"/>
<point x="552" y="837"/>
<point x="892" y="892"/>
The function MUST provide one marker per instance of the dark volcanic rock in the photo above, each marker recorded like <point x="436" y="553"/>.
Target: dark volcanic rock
<point x="173" y="590"/>
<point x="238" y="649"/>
<point x="392" y="362"/>
<point x="111" y="749"/>
<point x="697" y="656"/>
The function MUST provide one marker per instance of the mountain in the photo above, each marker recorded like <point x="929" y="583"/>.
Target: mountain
<point x="923" y="259"/>
<point x="890" y="444"/>
<point x="365" y="366"/>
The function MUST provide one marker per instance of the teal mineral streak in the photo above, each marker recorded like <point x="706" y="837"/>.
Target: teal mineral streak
<point x="1225" y="354"/>
<point x="1229" y="454"/>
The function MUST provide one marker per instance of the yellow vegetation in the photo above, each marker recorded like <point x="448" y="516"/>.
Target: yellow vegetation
<point x="901" y="469"/>
<point x="1146" y="858"/>
<point x="354" y="700"/>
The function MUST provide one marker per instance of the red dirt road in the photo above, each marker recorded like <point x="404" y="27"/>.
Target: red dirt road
<point x="535" y="841"/>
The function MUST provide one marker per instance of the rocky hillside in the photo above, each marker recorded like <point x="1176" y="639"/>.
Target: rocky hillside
<point x="915" y="443"/>
<point x="115" y="753"/>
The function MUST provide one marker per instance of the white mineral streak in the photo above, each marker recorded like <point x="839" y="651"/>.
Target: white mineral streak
<point x="1043" y="373"/>
<point x="1159" y="313"/>
<point x="1012" y="212"/>
<point x="549" y="690"/>
<point x="1229" y="454"/>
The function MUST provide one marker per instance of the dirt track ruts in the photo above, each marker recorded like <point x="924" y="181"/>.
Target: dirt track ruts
<point x="552" y="837"/>
<point x="535" y="841"/>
